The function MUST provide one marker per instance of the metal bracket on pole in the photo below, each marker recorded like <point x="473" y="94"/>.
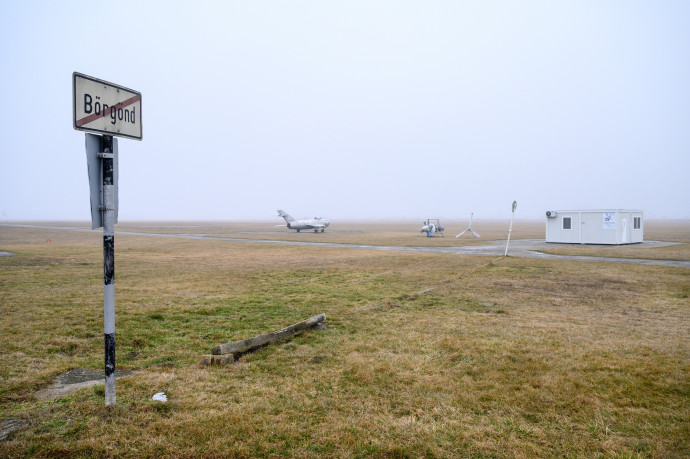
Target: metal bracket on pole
<point x="94" y="157"/>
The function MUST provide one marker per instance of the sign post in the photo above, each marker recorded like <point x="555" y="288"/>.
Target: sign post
<point x="111" y="110"/>
<point x="510" y="230"/>
<point x="108" y="267"/>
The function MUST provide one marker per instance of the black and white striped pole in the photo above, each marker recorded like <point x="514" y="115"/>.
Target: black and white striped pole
<point x="108" y="209"/>
<point x="102" y="162"/>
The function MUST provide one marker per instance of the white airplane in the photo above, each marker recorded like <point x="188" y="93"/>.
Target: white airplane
<point x="316" y="223"/>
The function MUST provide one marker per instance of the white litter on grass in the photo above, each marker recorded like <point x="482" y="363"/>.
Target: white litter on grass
<point x="160" y="396"/>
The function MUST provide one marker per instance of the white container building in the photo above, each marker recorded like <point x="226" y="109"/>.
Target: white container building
<point x="608" y="226"/>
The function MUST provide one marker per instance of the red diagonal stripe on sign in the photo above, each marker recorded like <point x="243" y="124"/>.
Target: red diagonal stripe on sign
<point x="104" y="113"/>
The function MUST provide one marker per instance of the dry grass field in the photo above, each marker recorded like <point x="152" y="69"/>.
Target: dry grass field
<point x="425" y="355"/>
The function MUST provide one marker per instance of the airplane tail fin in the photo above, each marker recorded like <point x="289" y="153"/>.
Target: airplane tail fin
<point x="287" y="217"/>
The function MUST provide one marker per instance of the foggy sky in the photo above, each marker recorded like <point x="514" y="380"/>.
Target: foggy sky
<point x="354" y="109"/>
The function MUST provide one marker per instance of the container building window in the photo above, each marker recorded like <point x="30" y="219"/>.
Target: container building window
<point x="567" y="223"/>
<point x="637" y="222"/>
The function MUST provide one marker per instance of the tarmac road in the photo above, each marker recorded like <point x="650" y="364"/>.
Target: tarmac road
<point x="523" y="248"/>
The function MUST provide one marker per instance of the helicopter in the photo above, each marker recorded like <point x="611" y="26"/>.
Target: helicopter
<point x="432" y="227"/>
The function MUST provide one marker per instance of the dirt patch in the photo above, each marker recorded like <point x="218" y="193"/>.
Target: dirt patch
<point x="7" y="426"/>
<point x="74" y="380"/>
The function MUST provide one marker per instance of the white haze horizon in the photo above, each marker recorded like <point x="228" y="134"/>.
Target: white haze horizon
<point x="357" y="110"/>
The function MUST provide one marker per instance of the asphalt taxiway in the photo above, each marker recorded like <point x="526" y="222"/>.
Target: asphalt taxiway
<point x="523" y="248"/>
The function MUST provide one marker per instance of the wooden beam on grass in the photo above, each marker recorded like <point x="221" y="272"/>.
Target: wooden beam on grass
<point x="261" y="340"/>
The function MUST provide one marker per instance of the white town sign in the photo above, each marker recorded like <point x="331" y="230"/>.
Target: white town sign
<point x="105" y="108"/>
